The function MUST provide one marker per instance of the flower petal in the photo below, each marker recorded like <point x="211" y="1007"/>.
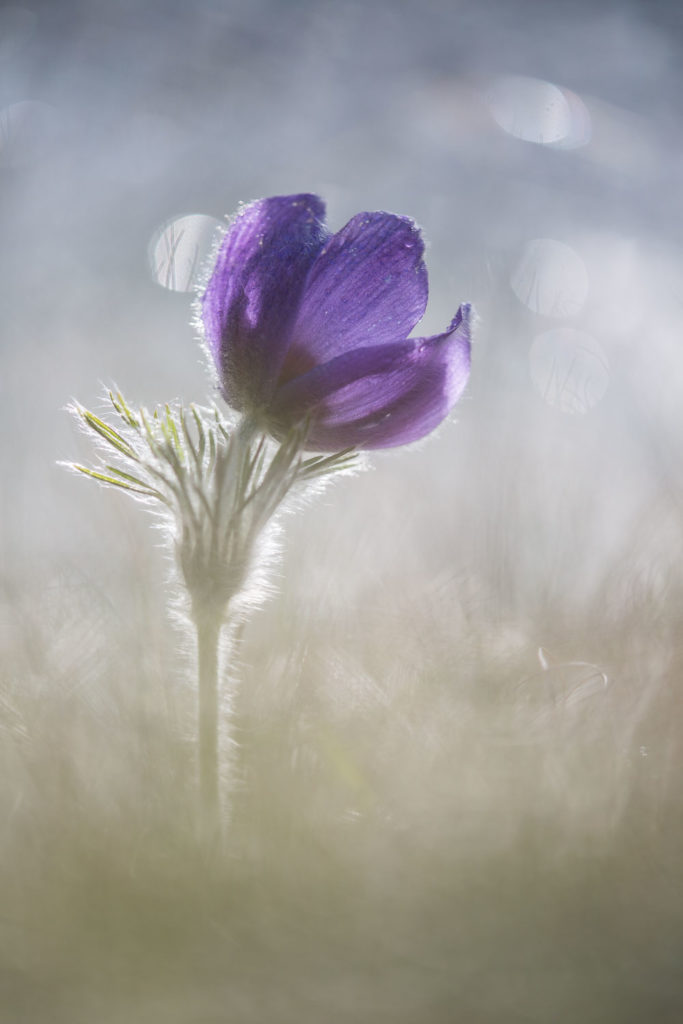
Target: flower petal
<point x="368" y="286"/>
<point x="295" y="399"/>
<point x="253" y="296"/>
<point x="404" y="402"/>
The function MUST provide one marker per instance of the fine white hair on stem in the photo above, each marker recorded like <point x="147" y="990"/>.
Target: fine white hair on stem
<point x="217" y="489"/>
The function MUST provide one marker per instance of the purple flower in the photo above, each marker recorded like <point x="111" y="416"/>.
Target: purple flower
<point x="301" y="323"/>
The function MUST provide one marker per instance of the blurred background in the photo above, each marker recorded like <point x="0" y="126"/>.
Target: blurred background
<point x="459" y="714"/>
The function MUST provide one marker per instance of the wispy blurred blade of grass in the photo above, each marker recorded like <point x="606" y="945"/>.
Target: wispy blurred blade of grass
<point x="459" y="718"/>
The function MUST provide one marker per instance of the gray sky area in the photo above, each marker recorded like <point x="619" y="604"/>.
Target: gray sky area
<point x="492" y="124"/>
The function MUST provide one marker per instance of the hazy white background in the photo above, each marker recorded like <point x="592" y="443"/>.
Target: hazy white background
<point x="440" y="824"/>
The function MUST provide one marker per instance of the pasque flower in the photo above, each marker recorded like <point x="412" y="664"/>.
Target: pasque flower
<point x="305" y="324"/>
<point x="309" y="334"/>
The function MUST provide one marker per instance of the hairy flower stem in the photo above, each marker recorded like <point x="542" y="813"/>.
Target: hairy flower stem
<point x="208" y="639"/>
<point x="220" y="487"/>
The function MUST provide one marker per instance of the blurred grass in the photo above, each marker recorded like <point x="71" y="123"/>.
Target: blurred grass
<point x="419" y="831"/>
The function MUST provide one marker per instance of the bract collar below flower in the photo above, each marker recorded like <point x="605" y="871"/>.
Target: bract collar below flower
<point x="301" y="323"/>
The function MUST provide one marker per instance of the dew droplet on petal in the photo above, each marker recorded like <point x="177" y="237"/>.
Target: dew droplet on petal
<point x="569" y="369"/>
<point x="179" y="249"/>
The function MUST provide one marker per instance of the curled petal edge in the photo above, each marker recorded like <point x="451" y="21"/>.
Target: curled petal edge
<point x="410" y="392"/>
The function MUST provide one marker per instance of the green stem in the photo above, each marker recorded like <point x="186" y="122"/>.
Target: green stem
<point x="208" y="636"/>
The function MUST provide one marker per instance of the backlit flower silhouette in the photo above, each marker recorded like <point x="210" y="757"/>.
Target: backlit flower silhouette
<point x="309" y="334"/>
<point x="302" y="324"/>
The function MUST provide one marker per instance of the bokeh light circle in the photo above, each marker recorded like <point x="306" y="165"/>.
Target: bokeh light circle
<point x="179" y="249"/>
<point x="533" y="110"/>
<point x="550" y="278"/>
<point x="569" y="369"/>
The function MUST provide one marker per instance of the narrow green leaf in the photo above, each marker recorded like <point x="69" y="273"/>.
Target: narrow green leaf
<point x="113" y="481"/>
<point x="152" y="441"/>
<point x="189" y="442"/>
<point x="108" y="433"/>
<point x="201" y="433"/>
<point x="173" y="434"/>
<point x="119" y="403"/>
<point x="323" y="464"/>
<point x="136" y="482"/>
